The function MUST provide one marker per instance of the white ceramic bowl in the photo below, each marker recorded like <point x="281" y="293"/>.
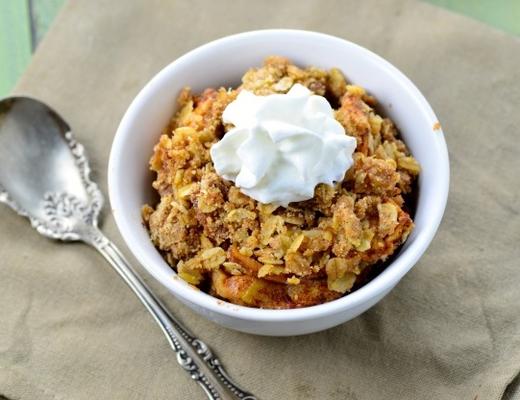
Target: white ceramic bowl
<point x="222" y="63"/>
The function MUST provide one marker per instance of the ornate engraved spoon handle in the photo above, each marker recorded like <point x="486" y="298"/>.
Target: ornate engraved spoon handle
<point x="192" y="354"/>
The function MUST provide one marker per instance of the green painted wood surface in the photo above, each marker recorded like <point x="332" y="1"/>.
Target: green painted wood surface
<point x="22" y="25"/>
<point x="24" y="22"/>
<point x="15" y="42"/>
<point x="42" y="15"/>
<point x="502" y="14"/>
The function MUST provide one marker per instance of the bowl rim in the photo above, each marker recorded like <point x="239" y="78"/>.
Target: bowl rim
<point x="381" y="284"/>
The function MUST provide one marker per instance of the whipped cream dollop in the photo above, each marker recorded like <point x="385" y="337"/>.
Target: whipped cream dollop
<point x="282" y="146"/>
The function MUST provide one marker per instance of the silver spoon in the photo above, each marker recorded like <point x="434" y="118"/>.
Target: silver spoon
<point x="44" y="176"/>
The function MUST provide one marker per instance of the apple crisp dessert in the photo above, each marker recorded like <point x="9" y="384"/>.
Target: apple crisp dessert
<point x="263" y="255"/>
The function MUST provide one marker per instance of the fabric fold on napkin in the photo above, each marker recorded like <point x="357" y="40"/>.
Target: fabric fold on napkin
<point x="69" y="327"/>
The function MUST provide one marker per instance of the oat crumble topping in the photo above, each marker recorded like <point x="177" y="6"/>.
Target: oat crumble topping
<point x="260" y="255"/>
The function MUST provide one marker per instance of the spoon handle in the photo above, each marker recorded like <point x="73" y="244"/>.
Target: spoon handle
<point x="192" y="354"/>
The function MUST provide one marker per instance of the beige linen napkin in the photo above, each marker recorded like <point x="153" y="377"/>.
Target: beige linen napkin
<point x="70" y="328"/>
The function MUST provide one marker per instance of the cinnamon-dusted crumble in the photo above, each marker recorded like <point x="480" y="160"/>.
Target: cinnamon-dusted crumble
<point x="261" y="255"/>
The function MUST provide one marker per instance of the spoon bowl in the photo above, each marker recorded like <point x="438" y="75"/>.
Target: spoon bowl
<point x="44" y="173"/>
